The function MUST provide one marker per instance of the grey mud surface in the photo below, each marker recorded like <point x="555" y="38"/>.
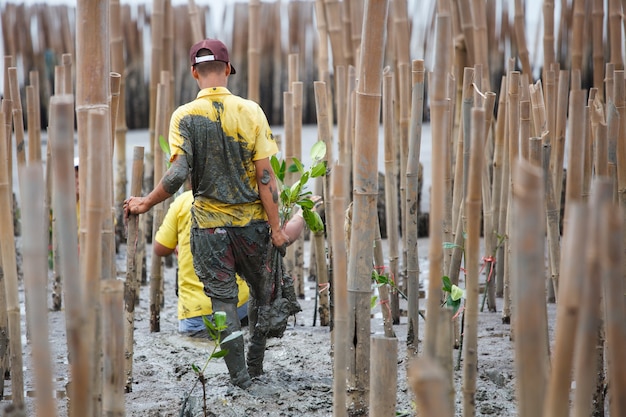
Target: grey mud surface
<point x="298" y="379"/>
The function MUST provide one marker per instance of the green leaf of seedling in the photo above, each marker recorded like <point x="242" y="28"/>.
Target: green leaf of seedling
<point x="318" y="170"/>
<point x="294" y="193"/>
<point x="275" y="166"/>
<point x="304" y="178"/>
<point x="219" y="354"/>
<point x="285" y="194"/>
<point x="298" y="164"/>
<point x="208" y="324"/>
<point x="165" y="146"/>
<point x="373" y="302"/>
<point x="450" y="245"/>
<point x="195" y="368"/>
<point x="232" y="336"/>
<point x="447" y="284"/>
<point x="306" y="203"/>
<point x="454" y="305"/>
<point x="313" y="220"/>
<point x="318" y="151"/>
<point x="457" y="293"/>
<point x="219" y="317"/>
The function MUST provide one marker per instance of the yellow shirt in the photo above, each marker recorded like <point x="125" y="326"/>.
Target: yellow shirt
<point x="222" y="136"/>
<point x="192" y="301"/>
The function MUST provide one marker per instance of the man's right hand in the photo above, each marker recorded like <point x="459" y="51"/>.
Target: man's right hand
<point x="280" y="240"/>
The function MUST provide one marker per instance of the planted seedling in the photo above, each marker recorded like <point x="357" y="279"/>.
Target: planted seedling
<point x="214" y="327"/>
<point x="296" y="193"/>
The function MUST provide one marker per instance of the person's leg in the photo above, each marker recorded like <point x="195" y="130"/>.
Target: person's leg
<point x="214" y="265"/>
<point x="256" y="347"/>
<point x="251" y="248"/>
<point x="235" y="359"/>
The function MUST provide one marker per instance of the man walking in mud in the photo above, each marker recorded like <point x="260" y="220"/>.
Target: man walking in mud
<point x="224" y="142"/>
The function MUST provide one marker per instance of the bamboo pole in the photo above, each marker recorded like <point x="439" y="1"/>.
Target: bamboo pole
<point x="131" y="286"/>
<point x="254" y="50"/>
<point x="481" y="44"/>
<point x="460" y="176"/>
<point x="520" y="37"/>
<point x="391" y="188"/>
<point x="527" y="270"/>
<point x="297" y="90"/>
<point x="597" y="34"/>
<point x="568" y="309"/>
<point x="156" y="269"/>
<point x="384" y="371"/>
<point x="428" y="382"/>
<point x="383" y="290"/>
<point x="558" y="153"/>
<point x="113" y="349"/>
<point x="440" y="129"/>
<point x="404" y="119"/>
<point x="577" y="30"/>
<point x="368" y="98"/>
<point x="10" y="281"/>
<point x="119" y="66"/>
<point x="575" y="157"/>
<point x="92" y="271"/>
<point x="325" y="135"/>
<point x="489" y="214"/>
<point x="194" y="19"/>
<point x="513" y="116"/>
<point x="585" y="357"/>
<point x="35" y="273"/>
<point x="61" y="137"/>
<point x="473" y="199"/>
<point x="412" y="202"/>
<point x="615" y="34"/>
<point x="524" y="129"/>
<point x="341" y="313"/>
<point x="619" y="98"/>
<point x="548" y="34"/>
<point x="467" y="29"/>
<point x="18" y="120"/>
<point x="500" y="183"/>
<point x="614" y="320"/>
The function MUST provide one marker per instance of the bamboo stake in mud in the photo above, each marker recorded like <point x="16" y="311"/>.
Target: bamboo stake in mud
<point x="614" y="320"/>
<point x="156" y="270"/>
<point x="513" y="119"/>
<point x="528" y="278"/>
<point x="558" y="147"/>
<point x="585" y="357"/>
<point x="61" y="137"/>
<point x="325" y="135"/>
<point x="113" y="349"/>
<point x="35" y="273"/>
<point x="568" y="309"/>
<point x="412" y="202"/>
<point x="297" y="88"/>
<point x="368" y="101"/>
<point x="10" y="280"/>
<point x="473" y="210"/>
<point x="500" y="182"/>
<point x="18" y="121"/>
<point x="574" y="188"/>
<point x="340" y="331"/>
<point x="384" y="371"/>
<point x="440" y="133"/>
<point x="119" y="135"/>
<point x="597" y="34"/>
<point x="577" y="31"/>
<point x="383" y="289"/>
<point x="520" y="37"/>
<point x="548" y="33"/>
<point x="428" y="382"/>
<point x="131" y="286"/>
<point x="615" y="34"/>
<point x="254" y="50"/>
<point x="481" y="44"/>
<point x="489" y="229"/>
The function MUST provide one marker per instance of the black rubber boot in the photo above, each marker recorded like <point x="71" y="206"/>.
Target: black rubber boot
<point x="235" y="359"/>
<point x="256" y="349"/>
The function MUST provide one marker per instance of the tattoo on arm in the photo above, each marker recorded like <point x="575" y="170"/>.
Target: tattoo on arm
<point x="274" y="194"/>
<point x="265" y="179"/>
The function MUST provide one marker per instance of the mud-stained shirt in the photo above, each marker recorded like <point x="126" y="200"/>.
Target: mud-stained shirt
<point x="174" y="231"/>
<point x="222" y="135"/>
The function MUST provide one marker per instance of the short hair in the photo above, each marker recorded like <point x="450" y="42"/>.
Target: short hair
<point x="208" y="67"/>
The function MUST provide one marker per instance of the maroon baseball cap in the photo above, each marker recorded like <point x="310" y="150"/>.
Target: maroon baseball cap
<point x="218" y="52"/>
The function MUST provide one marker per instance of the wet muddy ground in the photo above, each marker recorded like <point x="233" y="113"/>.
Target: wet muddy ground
<point x="298" y="379"/>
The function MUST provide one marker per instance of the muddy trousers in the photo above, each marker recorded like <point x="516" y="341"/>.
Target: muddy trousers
<point x="256" y="348"/>
<point x="235" y="359"/>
